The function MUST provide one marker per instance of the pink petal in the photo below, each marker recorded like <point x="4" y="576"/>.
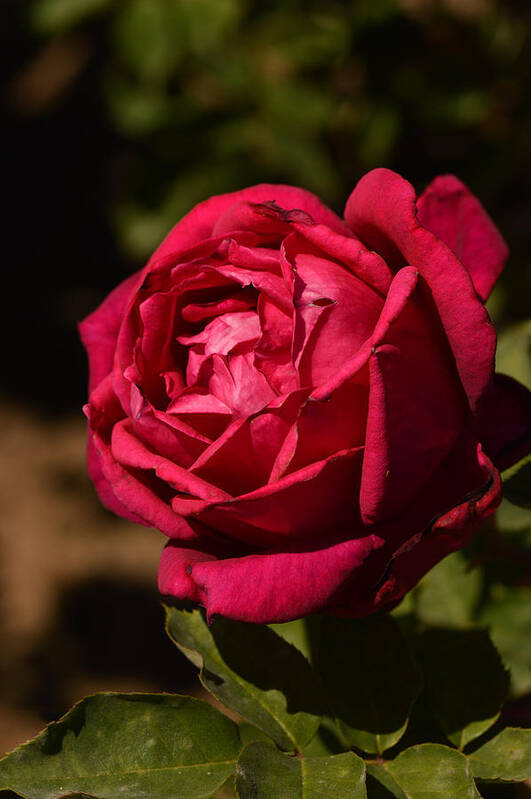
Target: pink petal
<point x="268" y="587"/>
<point x="241" y="459"/>
<point x="226" y="332"/>
<point x="272" y="353"/>
<point x="394" y="304"/>
<point x="236" y="382"/>
<point x="450" y="211"/>
<point x="382" y="210"/>
<point x="175" y="572"/>
<point x="335" y="312"/>
<point x="240" y="300"/>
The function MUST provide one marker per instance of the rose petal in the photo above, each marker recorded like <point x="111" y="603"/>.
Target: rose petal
<point x="406" y="281"/>
<point x="104" y="488"/>
<point x="99" y="331"/>
<point x="226" y="332"/>
<point x="241" y="459"/>
<point x="382" y="210"/>
<point x="350" y="251"/>
<point x="416" y="404"/>
<point x="450" y="211"/>
<point x="335" y="312"/>
<point x="451" y="531"/>
<point x="131" y="453"/>
<point x="272" y="353"/>
<point x="140" y="499"/>
<point x="308" y="579"/>
<point x="320" y="498"/>
<point x="235" y="380"/>
<point x="343" y="416"/>
<point x="200" y="222"/>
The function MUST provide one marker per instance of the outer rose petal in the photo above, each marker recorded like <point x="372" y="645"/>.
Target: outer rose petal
<point x="449" y="532"/>
<point x="104" y="488"/>
<point x="382" y="210"/>
<point x="200" y="222"/>
<point x="273" y="586"/>
<point x="99" y="331"/>
<point x="416" y="405"/>
<point x="450" y="211"/>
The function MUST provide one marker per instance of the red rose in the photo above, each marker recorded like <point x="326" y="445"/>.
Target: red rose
<point x="307" y="407"/>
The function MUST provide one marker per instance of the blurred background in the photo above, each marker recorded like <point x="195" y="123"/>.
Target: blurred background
<point x="119" y="115"/>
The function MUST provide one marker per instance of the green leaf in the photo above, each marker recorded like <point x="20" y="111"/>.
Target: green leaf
<point x="128" y="746"/>
<point x="300" y="633"/>
<point x="517" y="487"/>
<point x="381" y="785"/>
<point x="249" y="733"/>
<point x="508" y="617"/>
<point x="466" y="681"/>
<point x="506" y="757"/>
<point x="448" y="595"/>
<point x="253" y="671"/>
<point x="265" y="773"/>
<point x="513" y="352"/>
<point x="432" y="771"/>
<point x="371" y="679"/>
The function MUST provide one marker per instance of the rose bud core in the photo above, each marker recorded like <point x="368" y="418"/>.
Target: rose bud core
<point x="306" y="406"/>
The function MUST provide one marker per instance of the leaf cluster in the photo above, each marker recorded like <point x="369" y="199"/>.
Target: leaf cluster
<point x="319" y="707"/>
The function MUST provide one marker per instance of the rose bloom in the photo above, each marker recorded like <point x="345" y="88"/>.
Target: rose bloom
<point x="306" y="406"/>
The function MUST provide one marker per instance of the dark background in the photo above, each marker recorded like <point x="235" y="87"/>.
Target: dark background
<point x="118" y="117"/>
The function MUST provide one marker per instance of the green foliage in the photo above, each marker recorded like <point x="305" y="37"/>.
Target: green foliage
<point x="466" y="682"/>
<point x="371" y="679"/>
<point x="508" y="616"/>
<point x="506" y="757"/>
<point x="517" y="487"/>
<point x="265" y="773"/>
<point x="127" y="745"/>
<point x="385" y="702"/>
<point x="253" y="671"/>
<point x="433" y="771"/>
<point x="450" y="594"/>
<point x="56" y="16"/>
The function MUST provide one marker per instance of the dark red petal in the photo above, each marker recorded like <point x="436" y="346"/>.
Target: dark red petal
<point x="416" y="404"/>
<point x="450" y="211"/>
<point x="308" y="503"/>
<point x="382" y="210"/>
<point x="451" y="531"/>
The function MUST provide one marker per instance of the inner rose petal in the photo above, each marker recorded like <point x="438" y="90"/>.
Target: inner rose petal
<point x="335" y="314"/>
